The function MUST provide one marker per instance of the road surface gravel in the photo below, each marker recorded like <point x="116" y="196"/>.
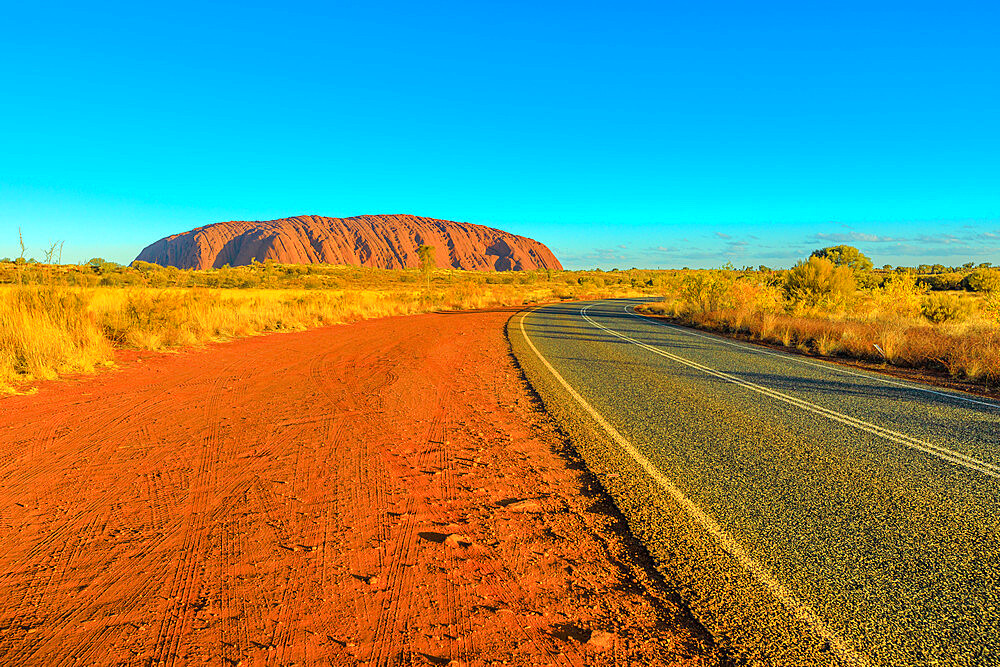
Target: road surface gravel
<point x="809" y="513"/>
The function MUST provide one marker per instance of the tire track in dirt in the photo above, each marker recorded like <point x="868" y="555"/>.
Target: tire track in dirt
<point x="289" y="499"/>
<point x="339" y="401"/>
<point x="205" y="479"/>
<point x="366" y="483"/>
<point x="388" y="632"/>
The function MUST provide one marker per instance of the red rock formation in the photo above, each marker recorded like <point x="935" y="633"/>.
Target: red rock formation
<point x="384" y="241"/>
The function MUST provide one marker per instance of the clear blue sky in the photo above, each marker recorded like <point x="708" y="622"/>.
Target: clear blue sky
<point x="647" y="134"/>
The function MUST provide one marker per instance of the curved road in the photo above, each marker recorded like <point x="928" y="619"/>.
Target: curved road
<point x="809" y="512"/>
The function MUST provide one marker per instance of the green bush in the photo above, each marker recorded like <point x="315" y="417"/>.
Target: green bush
<point x="940" y="308"/>
<point x="708" y="291"/>
<point x="145" y="267"/>
<point x="983" y="280"/>
<point x="818" y="283"/>
<point x="845" y="255"/>
<point x="942" y="281"/>
<point x="869" y="279"/>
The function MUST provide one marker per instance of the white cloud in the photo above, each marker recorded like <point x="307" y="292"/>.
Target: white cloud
<point x="856" y="237"/>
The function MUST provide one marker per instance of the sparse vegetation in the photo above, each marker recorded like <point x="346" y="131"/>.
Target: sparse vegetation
<point x="64" y="319"/>
<point x="983" y="280"/>
<point x="57" y="319"/>
<point x="829" y="307"/>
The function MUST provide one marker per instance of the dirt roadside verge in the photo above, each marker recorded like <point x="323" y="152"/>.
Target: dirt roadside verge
<point x="385" y="492"/>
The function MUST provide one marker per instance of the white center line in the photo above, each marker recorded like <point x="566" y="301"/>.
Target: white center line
<point x="754" y="349"/>
<point x="943" y="453"/>
<point x="785" y="597"/>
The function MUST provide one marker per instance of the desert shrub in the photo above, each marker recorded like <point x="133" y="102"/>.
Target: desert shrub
<point x="940" y="308"/>
<point x="899" y="295"/>
<point x="145" y="267"/>
<point x="991" y="306"/>
<point x="983" y="280"/>
<point x="750" y="298"/>
<point x="706" y="291"/>
<point x="818" y="283"/>
<point x="942" y="281"/>
<point x="757" y="296"/>
<point x="120" y="279"/>
<point x="869" y="280"/>
<point x="100" y="265"/>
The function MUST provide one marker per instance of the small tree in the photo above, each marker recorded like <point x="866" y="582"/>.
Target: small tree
<point x="426" y="255"/>
<point x="100" y="265"/>
<point x="845" y="255"/>
<point x="20" y="258"/>
<point x="940" y="308"/>
<point x="54" y="251"/>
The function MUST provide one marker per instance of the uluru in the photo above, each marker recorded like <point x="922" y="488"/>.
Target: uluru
<point x="381" y="241"/>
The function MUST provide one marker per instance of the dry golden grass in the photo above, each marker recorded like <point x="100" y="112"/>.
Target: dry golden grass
<point x="66" y="319"/>
<point x="46" y="331"/>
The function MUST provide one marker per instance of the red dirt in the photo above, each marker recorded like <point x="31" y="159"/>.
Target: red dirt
<point x="385" y="492"/>
<point x="384" y="241"/>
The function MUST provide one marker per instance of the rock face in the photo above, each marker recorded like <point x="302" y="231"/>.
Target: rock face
<point x="384" y="241"/>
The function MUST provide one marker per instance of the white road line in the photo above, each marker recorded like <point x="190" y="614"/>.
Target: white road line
<point x="630" y="310"/>
<point x="943" y="453"/>
<point x="709" y="525"/>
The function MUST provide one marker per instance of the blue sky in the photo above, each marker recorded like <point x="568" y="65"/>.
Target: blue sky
<point x="620" y="134"/>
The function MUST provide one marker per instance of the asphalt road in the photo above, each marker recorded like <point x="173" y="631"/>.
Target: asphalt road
<point x="807" y="512"/>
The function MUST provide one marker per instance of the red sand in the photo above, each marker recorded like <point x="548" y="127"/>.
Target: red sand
<point x="385" y="492"/>
<point x="384" y="241"/>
